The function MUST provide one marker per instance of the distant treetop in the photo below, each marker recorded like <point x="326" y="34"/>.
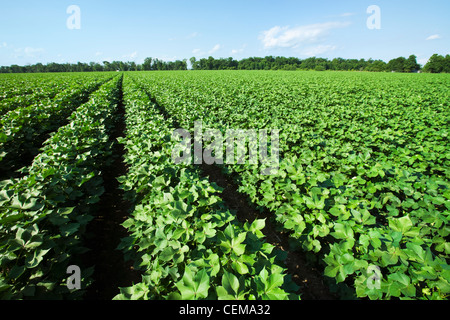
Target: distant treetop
<point x="436" y="64"/>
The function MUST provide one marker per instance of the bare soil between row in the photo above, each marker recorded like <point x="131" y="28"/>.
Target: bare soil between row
<point x="106" y="231"/>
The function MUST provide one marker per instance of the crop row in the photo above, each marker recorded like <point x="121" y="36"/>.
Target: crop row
<point x="35" y="89"/>
<point x="363" y="176"/>
<point x="362" y="184"/>
<point x="183" y="238"/>
<point x="43" y="215"/>
<point x="15" y="85"/>
<point x="24" y="129"/>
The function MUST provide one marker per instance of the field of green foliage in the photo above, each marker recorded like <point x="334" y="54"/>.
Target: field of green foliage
<point x="361" y="190"/>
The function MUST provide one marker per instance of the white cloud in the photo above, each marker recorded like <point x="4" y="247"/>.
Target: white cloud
<point x="27" y="52"/>
<point x="31" y="52"/>
<point x="98" y="53"/>
<point x="199" y="52"/>
<point x="216" y="48"/>
<point x="131" y="56"/>
<point x="434" y="37"/>
<point x="192" y="35"/>
<point x="318" y="50"/>
<point x="347" y="14"/>
<point x="286" y="37"/>
<point x="3" y="45"/>
<point x="241" y="50"/>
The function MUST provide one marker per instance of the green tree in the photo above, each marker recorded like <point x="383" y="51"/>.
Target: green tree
<point x="320" y="67"/>
<point x="437" y="64"/>
<point x="411" y="64"/>
<point x="107" y="65"/>
<point x="193" y="62"/>
<point x="397" y="65"/>
<point x="376" y="66"/>
<point x="147" y="65"/>
<point x="446" y="64"/>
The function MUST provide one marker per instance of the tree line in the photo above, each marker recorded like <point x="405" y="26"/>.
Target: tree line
<point x="436" y="64"/>
<point x="148" y="65"/>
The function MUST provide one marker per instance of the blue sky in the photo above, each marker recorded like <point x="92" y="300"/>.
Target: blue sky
<point x="36" y="31"/>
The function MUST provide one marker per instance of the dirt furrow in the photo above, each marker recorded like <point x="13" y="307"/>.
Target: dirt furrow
<point x="111" y="272"/>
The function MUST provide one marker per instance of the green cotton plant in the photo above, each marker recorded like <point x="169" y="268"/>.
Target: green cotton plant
<point x="24" y="129"/>
<point x="362" y="173"/>
<point x="269" y="285"/>
<point x="22" y="93"/>
<point x="181" y="235"/>
<point x="231" y="243"/>
<point x="232" y="287"/>
<point x="44" y="214"/>
<point x="194" y="286"/>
